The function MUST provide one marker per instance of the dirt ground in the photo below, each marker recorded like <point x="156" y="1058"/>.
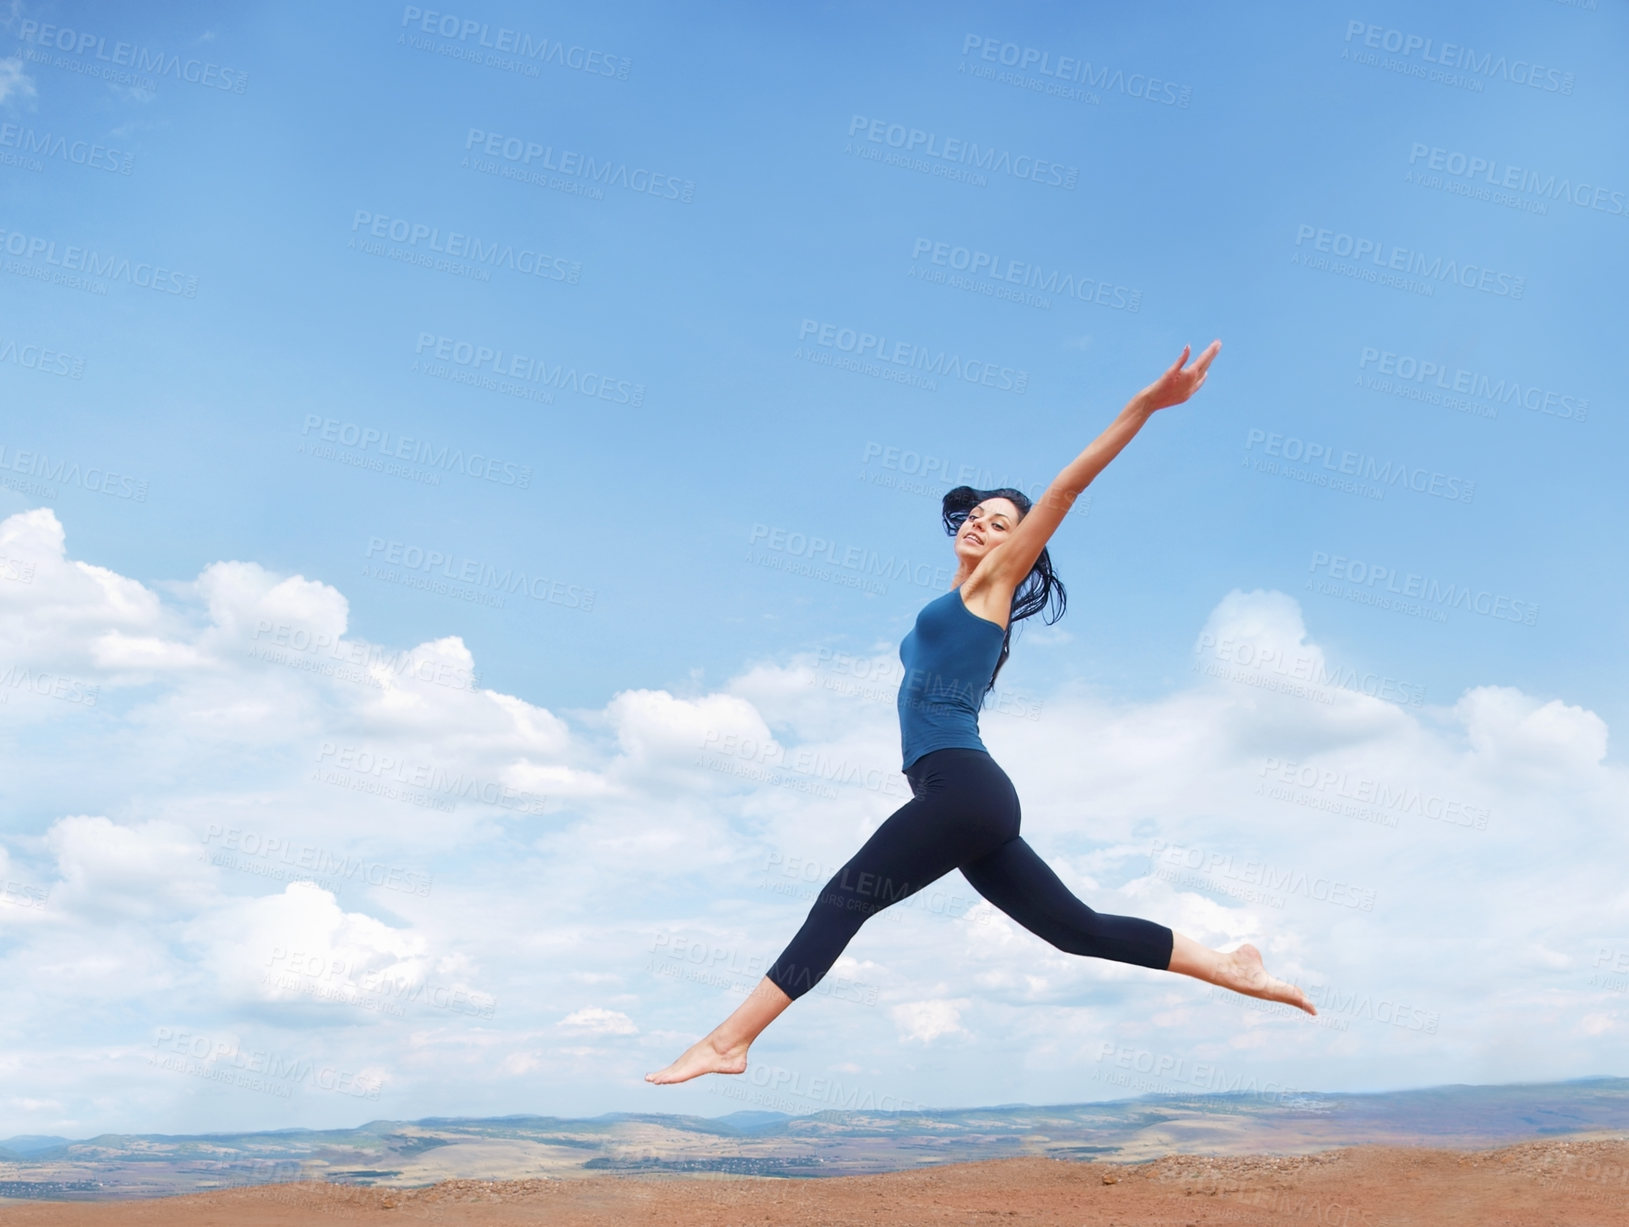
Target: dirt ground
<point x="1528" y="1185"/>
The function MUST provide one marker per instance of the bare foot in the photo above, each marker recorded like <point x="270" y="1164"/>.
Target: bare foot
<point x="1243" y="973"/>
<point x="705" y="1056"/>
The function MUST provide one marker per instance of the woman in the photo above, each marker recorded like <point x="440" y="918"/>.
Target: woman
<point x="964" y="812"/>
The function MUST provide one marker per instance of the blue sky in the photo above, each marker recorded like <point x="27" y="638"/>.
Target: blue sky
<point x="1406" y="225"/>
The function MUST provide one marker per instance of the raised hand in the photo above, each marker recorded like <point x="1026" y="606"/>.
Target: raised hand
<point x="1179" y="382"/>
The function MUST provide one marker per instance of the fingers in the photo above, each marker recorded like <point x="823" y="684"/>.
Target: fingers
<point x="1184" y="382"/>
<point x="1205" y="359"/>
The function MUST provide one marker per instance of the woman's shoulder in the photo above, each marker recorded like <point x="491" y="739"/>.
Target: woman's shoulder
<point x="986" y="598"/>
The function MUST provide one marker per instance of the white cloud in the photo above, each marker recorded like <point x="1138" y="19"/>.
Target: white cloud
<point x="249" y="604"/>
<point x="263" y="817"/>
<point x="52" y="619"/>
<point x="596" y="1021"/>
<point x="926" y="1021"/>
<point x="111" y="871"/>
<point x="118" y="652"/>
<point x="301" y="946"/>
<point x="1509" y="728"/>
<point x="15" y="83"/>
<point x="654" y="727"/>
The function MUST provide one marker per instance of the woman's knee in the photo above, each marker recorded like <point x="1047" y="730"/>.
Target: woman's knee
<point x="842" y="909"/>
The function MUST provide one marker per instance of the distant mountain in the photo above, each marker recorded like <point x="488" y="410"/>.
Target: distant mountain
<point x="748" y="1122"/>
<point x="25" y="1144"/>
<point x="830" y="1143"/>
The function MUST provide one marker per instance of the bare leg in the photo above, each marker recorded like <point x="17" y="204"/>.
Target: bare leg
<point x="918" y="844"/>
<point x="724" y="1049"/>
<point x="1239" y="970"/>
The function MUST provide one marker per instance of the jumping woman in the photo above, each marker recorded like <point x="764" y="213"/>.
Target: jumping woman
<point x="963" y="813"/>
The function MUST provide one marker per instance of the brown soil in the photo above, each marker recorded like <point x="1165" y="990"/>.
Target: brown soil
<point x="1528" y="1185"/>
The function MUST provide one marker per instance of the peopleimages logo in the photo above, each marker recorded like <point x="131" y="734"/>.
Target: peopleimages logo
<point x="66" y="472"/>
<point x="1392" y="258"/>
<point x="388" y="444"/>
<point x="30" y="143"/>
<point x="771" y="541"/>
<point x="1499" y="174"/>
<point x="1505" y="390"/>
<point x="953" y="149"/>
<point x="1461" y="59"/>
<point x="519" y="43"/>
<point x="904" y="354"/>
<point x="1275" y="879"/>
<point x="605" y="172"/>
<point x="40" y="358"/>
<point x="996" y="267"/>
<point x="82" y="43"/>
<point x="1387" y="474"/>
<point x="460" y="246"/>
<point x="450" y="566"/>
<point x="388" y="767"/>
<point x="1369" y="576"/>
<point x="77" y="259"/>
<point x="1076" y="70"/>
<point x="1369" y="790"/>
<point x="494" y="361"/>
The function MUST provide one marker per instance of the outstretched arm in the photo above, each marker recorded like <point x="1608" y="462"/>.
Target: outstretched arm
<point x="1012" y="559"/>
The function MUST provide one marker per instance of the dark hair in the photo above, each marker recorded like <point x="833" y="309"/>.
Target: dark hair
<point x="1038" y="590"/>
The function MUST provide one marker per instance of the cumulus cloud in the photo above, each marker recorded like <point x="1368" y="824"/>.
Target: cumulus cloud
<point x="15" y="83"/>
<point x="105" y="870"/>
<point x="300" y="945"/>
<point x="55" y="617"/>
<point x="1509" y="728"/>
<point x="926" y="1021"/>
<point x="229" y="807"/>
<point x="653" y="727"/>
<point x="596" y="1021"/>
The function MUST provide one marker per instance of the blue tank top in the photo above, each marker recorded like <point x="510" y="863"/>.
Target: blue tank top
<point x="949" y="657"/>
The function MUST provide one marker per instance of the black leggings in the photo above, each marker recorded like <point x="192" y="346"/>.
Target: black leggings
<point x="963" y="814"/>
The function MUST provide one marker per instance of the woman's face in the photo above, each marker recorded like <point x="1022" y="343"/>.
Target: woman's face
<point x="986" y="526"/>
